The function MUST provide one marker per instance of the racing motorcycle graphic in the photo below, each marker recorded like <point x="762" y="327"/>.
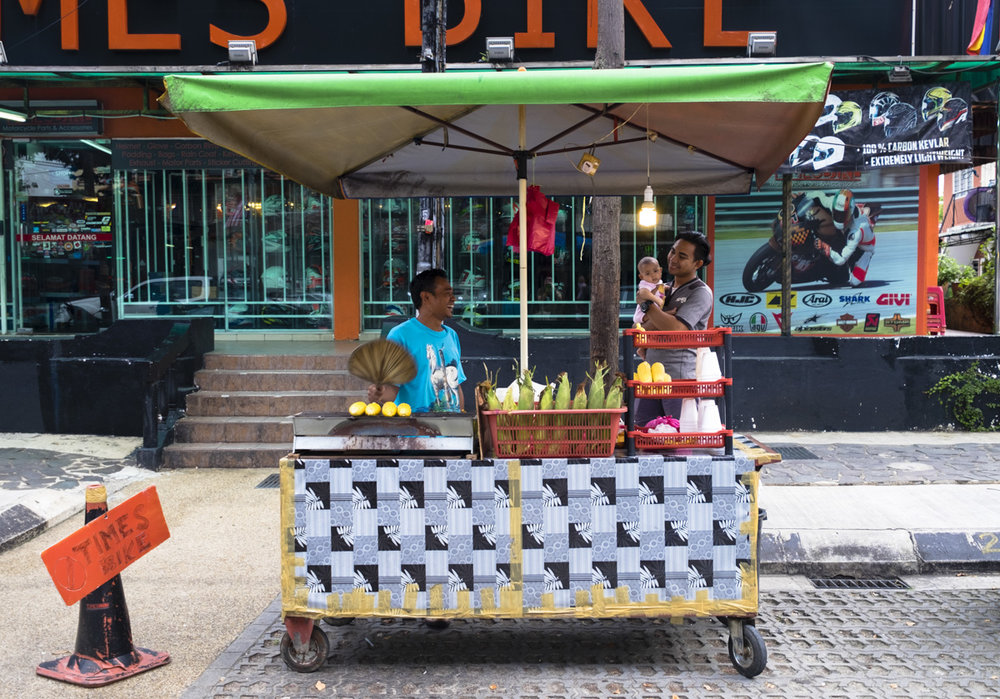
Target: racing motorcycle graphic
<point x="812" y="221"/>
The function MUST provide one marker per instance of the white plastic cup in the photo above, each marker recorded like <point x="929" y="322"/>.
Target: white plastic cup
<point x="689" y="415"/>
<point x="709" y="420"/>
<point x="710" y="370"/>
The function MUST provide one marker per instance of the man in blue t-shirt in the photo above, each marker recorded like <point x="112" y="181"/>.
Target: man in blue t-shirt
<point x="435" y="350"/>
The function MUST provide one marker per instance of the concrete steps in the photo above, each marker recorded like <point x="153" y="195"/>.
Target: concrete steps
<point x="241" y="414"/>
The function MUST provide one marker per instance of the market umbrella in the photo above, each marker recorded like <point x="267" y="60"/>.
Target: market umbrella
<point x="681" y="129"/>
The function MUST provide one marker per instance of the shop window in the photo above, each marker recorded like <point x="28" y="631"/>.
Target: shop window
<point x="485" y="271"/>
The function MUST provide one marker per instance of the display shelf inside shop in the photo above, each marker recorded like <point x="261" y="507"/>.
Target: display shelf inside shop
<point x="718" y="340"/>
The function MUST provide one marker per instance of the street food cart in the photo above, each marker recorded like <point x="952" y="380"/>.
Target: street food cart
<point x="389" y="518"/>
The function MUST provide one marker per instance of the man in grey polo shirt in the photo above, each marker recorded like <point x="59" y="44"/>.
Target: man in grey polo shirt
<point x="688" y="307"/>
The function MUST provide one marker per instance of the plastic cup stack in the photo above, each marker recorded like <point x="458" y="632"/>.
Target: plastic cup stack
<point x="709" y="420"/>
<point x="710" y="370"/>
<point x="689" y="416"/>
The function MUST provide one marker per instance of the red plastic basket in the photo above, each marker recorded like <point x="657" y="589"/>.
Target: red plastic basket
<point x="679" y="440"/>
<point x="681" y="389"/>
<point x="552" y="433"/>
<point x="678" y="338"/>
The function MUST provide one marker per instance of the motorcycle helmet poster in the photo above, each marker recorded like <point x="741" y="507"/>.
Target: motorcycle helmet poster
<point x="903" y="126"/>
<point x="854" y="255"/>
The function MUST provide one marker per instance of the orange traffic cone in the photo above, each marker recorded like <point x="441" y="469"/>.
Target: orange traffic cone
<point x="104" y="652"/>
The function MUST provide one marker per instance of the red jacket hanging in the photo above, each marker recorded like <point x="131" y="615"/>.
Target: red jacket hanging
<point x="541" y="215"/>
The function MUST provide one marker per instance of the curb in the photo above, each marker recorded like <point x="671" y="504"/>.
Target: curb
<point x="860" y="553"/>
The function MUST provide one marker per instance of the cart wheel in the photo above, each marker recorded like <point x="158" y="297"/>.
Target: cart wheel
<point x="753" y="659"/>
<point x="312" y="659"/>
<point x="338" y="620"/>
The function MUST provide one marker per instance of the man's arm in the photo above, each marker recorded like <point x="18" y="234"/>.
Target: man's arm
<point x="382" y="392"/>
<point x="658" y="319"/>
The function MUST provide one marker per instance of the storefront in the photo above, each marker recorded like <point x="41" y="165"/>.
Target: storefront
<point x="167" y="224"/>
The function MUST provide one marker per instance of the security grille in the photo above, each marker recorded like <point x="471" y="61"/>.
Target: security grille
<point x="892" y="583"/>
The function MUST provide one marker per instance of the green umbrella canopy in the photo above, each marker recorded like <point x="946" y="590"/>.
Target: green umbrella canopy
<point x="373" y="135"/>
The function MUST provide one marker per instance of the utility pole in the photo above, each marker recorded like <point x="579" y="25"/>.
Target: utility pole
<point x="433" y="24"/>
<point x="605" y="277"/>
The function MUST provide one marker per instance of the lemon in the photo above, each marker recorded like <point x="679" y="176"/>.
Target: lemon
<point x="373" y="409"/>
<point x="403" y="410"/>
<point x="357" y="408"/>
<point x="389" y="408"/>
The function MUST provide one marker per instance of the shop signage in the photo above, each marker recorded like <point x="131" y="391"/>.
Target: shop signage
<point x="300" y="32"/>
<point x="903" y="126"/>
<point x="75" y="123"/>
<point x="94" y="227"/>
<point x="174" y="154"/>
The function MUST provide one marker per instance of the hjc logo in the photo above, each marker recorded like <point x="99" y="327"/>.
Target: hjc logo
<point x="893" y="300"/>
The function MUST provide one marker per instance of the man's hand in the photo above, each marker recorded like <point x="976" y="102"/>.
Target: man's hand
<point x="380" y="393"/>
<point x="823" y="247"/>
<point x="658" y="319"/>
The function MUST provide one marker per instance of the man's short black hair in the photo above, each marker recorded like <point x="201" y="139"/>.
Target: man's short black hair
<point x="702" y="250"/>
<point x="425" y="281"/>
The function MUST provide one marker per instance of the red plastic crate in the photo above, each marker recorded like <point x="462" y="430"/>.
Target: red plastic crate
<point x="680" y="389"/>
<point x="669" y="339"/>
<point x="552" y="433"/>
<point x="679" y="440"/>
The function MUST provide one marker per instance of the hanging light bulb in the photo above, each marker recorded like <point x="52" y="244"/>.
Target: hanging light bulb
<point x="647" y="212"/>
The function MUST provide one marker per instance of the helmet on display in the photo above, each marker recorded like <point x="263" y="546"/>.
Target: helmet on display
<point x="842" y="208"/>
<point x="900" y="119"/>
<point x="880" y="105"/>
<point x="954" y="111"/>
<point x="829" y="110"/>
<point x="829" y="151"/>
<point x="273" y="277"/>
<point x="803" y="153"/>
<point x="934" y="100"/>
<point x="848" y="116"/>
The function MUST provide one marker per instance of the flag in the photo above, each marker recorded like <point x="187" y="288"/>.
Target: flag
<point x="982" y="29"/>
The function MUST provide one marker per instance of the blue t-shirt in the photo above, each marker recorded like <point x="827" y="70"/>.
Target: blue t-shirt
<point x="438" y="357"/>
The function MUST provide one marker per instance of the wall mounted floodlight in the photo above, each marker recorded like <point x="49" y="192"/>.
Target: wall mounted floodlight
<point x="900" y="74"/>
<point x="500" y="48"/>
<point x="3" y="55"/>
<point x="12" y="115"/>
<point x="243" y="51"/>
<point x="762" y="43"/>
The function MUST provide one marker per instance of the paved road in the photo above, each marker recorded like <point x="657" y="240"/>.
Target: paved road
<point x="935" y="641"/>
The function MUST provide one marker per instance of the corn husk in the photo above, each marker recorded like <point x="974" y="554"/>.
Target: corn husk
<point x="595" y="399"/>
<point x="382" y="362"/>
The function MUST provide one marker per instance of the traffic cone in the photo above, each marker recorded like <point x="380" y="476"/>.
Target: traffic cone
<point x="104" y="652"/>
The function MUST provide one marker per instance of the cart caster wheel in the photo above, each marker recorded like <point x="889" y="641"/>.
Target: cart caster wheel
<point x="753" y="659"/>
<point x="312" y="659"/>
<point x="338" y="620"/>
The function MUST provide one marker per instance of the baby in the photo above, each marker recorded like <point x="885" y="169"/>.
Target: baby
<point x="651" y="287"/>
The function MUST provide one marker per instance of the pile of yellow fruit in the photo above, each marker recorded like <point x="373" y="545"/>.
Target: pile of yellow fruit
<point x="655" y="373"/>
<point x="389" y="409"/>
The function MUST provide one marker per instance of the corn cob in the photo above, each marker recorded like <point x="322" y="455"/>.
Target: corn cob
<point x="580" y="397"/>
<point x="562" y="401"/>
<point x="614" y="399"/>
<point x="525" y="392"/>
<point x="544" y="422"/>
<point x="595" y="401"/>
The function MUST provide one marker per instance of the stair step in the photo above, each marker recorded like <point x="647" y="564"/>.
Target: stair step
<point x="279" y="380"/>
<point x="255" y="429"/>
<point x="268" y="403"/>
<point x="329" y="362"/>
<point x="219" y="455"/>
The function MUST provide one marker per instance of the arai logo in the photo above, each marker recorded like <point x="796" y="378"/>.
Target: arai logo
<point x="817" y="300"/>
<point x="740" y="300"/>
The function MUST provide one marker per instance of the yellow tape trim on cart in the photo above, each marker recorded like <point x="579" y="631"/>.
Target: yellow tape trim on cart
<point x="512" y="603"/>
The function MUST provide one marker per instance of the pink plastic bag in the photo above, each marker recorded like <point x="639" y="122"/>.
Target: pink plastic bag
<point x="541" y="215"/>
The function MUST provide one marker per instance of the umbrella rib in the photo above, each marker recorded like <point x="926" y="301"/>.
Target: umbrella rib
<point x="452" y="146"/>
<point x="660" y="134"/>
<point x="569" y="149"/>
<point x="444" y="122"/>
<point x="574" y="127"/>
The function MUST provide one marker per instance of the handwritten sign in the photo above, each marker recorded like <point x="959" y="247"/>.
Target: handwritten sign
<point x="104" y="547"/>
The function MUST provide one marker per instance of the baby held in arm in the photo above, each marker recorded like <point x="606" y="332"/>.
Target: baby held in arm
<point x="651" y="288"/>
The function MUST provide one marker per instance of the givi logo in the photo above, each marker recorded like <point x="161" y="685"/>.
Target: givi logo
<point x="893" y="300"/>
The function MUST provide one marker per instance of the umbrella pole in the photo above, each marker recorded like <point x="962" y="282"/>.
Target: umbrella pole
<point x="522" y="213"/>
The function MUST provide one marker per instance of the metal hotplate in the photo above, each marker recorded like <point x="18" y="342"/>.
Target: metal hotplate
<point x="421" y="433"/>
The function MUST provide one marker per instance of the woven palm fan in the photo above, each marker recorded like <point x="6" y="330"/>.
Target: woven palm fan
<point x="382" y="362"/>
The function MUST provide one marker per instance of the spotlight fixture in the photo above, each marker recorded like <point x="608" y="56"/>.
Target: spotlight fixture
<point x="900" y="74"/>
<point x="12" y="115"/>
<point x="3" y="55"/>
<point x="762" y="43"/>
<point x="243" y="51"/>
<point x="500" y="48"/>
